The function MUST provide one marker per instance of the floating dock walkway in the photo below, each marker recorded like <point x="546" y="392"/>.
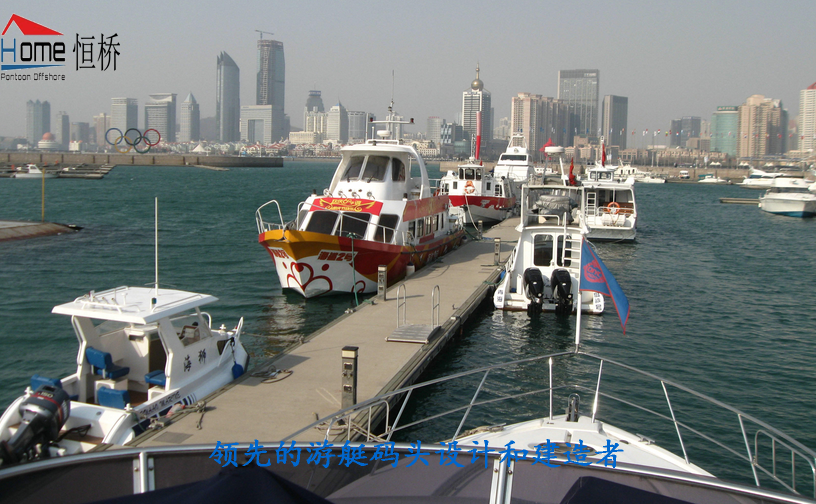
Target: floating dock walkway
<point x="250" y="409"/>
<point x="18" y="230"/>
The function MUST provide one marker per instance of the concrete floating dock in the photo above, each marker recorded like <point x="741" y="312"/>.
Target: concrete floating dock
<point x="250" y="409"/>
<point x="740" y="201"/>
<point x="18" y="230"/>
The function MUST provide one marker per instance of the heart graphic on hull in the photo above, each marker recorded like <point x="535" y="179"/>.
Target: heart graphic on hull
<point x="297" y="269"/>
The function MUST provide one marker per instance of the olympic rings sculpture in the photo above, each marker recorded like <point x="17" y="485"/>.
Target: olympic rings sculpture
<point x="132" y="141"/>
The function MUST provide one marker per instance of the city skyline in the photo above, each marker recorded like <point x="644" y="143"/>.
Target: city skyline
<point x="663" y="76"/>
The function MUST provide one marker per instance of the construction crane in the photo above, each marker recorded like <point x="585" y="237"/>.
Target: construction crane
<point x="262" y="32"/>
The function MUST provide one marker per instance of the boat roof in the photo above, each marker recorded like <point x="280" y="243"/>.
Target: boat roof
<point x="133" y="305"/>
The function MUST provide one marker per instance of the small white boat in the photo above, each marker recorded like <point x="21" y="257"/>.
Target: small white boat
<point x="544" y="269"/>
<point x="710" y="178"/>
<point x="516" y="163"/>
<point x="477" y="195"/>
<point x="609" y="209"/>
<point x="789" y="196"/>
<point x="142" y="351"/>
<point x="32" y="171"/>
<point x="759" y="179"/>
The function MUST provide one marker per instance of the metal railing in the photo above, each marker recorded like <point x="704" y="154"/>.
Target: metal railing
<point x="761" y="430"/>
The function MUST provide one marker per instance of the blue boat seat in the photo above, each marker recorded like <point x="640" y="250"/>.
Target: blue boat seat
<point x="156" y="377"/>
<point x="112" y="398"/>
<point x="103" y="365"/>
<point x="37" y="381"/>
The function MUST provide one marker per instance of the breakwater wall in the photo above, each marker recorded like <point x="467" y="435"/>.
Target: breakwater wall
<point x="66" y="158"/>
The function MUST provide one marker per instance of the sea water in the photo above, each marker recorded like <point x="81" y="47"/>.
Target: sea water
<point x="722" y="296"/>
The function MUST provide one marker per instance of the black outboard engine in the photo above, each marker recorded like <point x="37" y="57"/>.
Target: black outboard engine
<point x="44" y="413"/>
<point x="534" y="284"/>
<point x="562" y="291"/>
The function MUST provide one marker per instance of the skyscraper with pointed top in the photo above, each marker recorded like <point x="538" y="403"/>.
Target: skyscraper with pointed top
<point x="477" y="99"/>
<point x="190" y="120"/>
<point x="271" y="80"/>
<point x="227" y="99"/>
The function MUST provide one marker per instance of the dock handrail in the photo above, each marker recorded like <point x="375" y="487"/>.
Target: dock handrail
<point x="401" y="304"/>
<point x="762" y="430"/>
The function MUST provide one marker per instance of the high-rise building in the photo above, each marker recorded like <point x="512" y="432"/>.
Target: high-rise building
<point x="271" y="81"/>
<point x="38" y="120"/>
<point x="725" y="129"/>
<point x="477" y="99"/>
<point x="614" y="120"/>
<point x="257" y="124"/>
<point x="501" y="130"/>
<point x="434" y="130"/>
<point x="102" y="124"/>
<point x="62" y="133"/>
<point x="338" y="124"/>
<point x="579" y="88"/>
<point x="539" y="119"/>
<point x="313" y="104"/>
<point x="763" y="127"/>
<point x="160" y="115"/>
<point x="227" y="99"/>
<point x="124" y="113"/>
<point x="80" y="132"/>
<point x="190" y="120"/>
<point x="807" y="118"/>
<point x="358" y="126"/>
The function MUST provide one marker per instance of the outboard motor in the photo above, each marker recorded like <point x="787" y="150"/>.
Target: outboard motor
<point x="534" y="284"/>
<point x="44" y="413"/>
<point x="562" y="291"/>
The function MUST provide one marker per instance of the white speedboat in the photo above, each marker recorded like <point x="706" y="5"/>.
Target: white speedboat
<point x="759" y="179"/>
<point x="32" y="171"/>
<point x="142" y="351"/>
<point x="477" y="195"/>
<point x="544" y="269"/>
<point x="710" y="178"/>
<point x="516" y="163"/>
<point x="374" y="213"/>
<point x="609" y="210"/>
<point x="789" y="196"/>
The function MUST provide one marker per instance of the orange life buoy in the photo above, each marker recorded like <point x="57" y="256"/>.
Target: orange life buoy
<point x="613" y="208"/>
<point x="469" y="188"/>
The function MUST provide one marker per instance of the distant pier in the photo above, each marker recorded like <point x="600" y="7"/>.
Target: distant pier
<point x="68" y="159"/>
<point x="19" y="230"/>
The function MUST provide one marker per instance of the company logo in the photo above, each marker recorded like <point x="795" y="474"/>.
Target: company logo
<point x="25" y="55"/>
<point x="593" y="273"/>
<point x="348" y="205"/>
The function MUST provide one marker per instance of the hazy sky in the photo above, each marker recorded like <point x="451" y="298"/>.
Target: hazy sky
<point x="671" y="59"/>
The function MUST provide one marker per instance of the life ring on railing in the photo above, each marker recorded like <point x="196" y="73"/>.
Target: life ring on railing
<point x="469" y="187"/>
<point x="437" y="192"/>
<point x="613" y="208"/>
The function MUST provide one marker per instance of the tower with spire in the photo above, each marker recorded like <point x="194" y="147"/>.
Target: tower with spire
<point x="477" y="99"/>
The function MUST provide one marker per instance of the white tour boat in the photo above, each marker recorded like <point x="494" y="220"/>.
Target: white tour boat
<point x="142" y="351"/>
<point x="544" y="269"/>
<point x="373" y="214"/>
<point x="477" y="195"/>
<point x="609" y="210"/>
<point x="789" y="196"/>
<point x="759" y="179"/>
<point x="515" y="163"/>
<point x="32" y="171"/>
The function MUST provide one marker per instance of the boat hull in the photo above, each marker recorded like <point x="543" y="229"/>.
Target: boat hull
<point x="804" y="206"/>
<point x="489" y="210"/>
<point x="316" y="264"/>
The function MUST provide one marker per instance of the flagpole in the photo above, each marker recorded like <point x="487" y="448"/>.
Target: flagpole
<point x="578" y="315"/>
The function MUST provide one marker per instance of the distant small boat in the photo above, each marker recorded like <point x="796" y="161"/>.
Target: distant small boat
<point x="32" y="171"/>
<point x="712" y="179"/>
<point x="759" y="179"/>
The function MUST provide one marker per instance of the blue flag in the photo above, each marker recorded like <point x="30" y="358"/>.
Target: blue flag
<point x="596" y="278"/>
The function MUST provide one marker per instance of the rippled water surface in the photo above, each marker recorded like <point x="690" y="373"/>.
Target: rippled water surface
<point x="722" y="296"/>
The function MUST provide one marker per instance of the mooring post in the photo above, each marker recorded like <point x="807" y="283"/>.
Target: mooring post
<point x="480" y="227"/>
<point x="496" y="251"/>
<point x="382" y="281"/>
<point x="349" y="354"/>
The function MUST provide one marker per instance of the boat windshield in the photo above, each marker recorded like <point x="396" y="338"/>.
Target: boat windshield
<point x="513" y="157"/>
<point x="368" y="168"/>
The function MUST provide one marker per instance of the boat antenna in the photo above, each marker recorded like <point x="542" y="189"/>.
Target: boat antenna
<point x="156" y="240"/>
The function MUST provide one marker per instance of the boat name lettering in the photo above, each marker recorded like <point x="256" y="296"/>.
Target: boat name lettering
<point x="278" y="253"/>
<point x="163" y="403"/>
<point x="546" y="453"/>
<point x="328" y="255"/>
<point x="349" y="205"/>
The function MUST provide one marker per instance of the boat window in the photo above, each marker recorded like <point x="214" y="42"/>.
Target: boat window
<point x="322" y="222"/>
<point x="420" y="227"/>
<point x="455" y="184"/>
<point x="488" y="186"/>
<point x="375" y="168"/>
<point x="445" y="188"/>
<point x="435" y="226"/>
<point x="353" y="169"/>
<point x="479" y="174"/>
<point x="412" y="229"/>
<point x="542" y="250"/>
<point x="469" y="174"/>
<point x="461" y="173"/>
<point x="386" y="227"/>
<point x="498" y="190"/>
<point x="513" y="157"/>
<point x="354" y="224"/>
<point x="397" y="170"/>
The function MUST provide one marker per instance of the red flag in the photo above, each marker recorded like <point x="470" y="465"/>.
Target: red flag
<point x="572" y="175"/>
<point x="603" y="160"/>
<point x="548" y="144"/>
